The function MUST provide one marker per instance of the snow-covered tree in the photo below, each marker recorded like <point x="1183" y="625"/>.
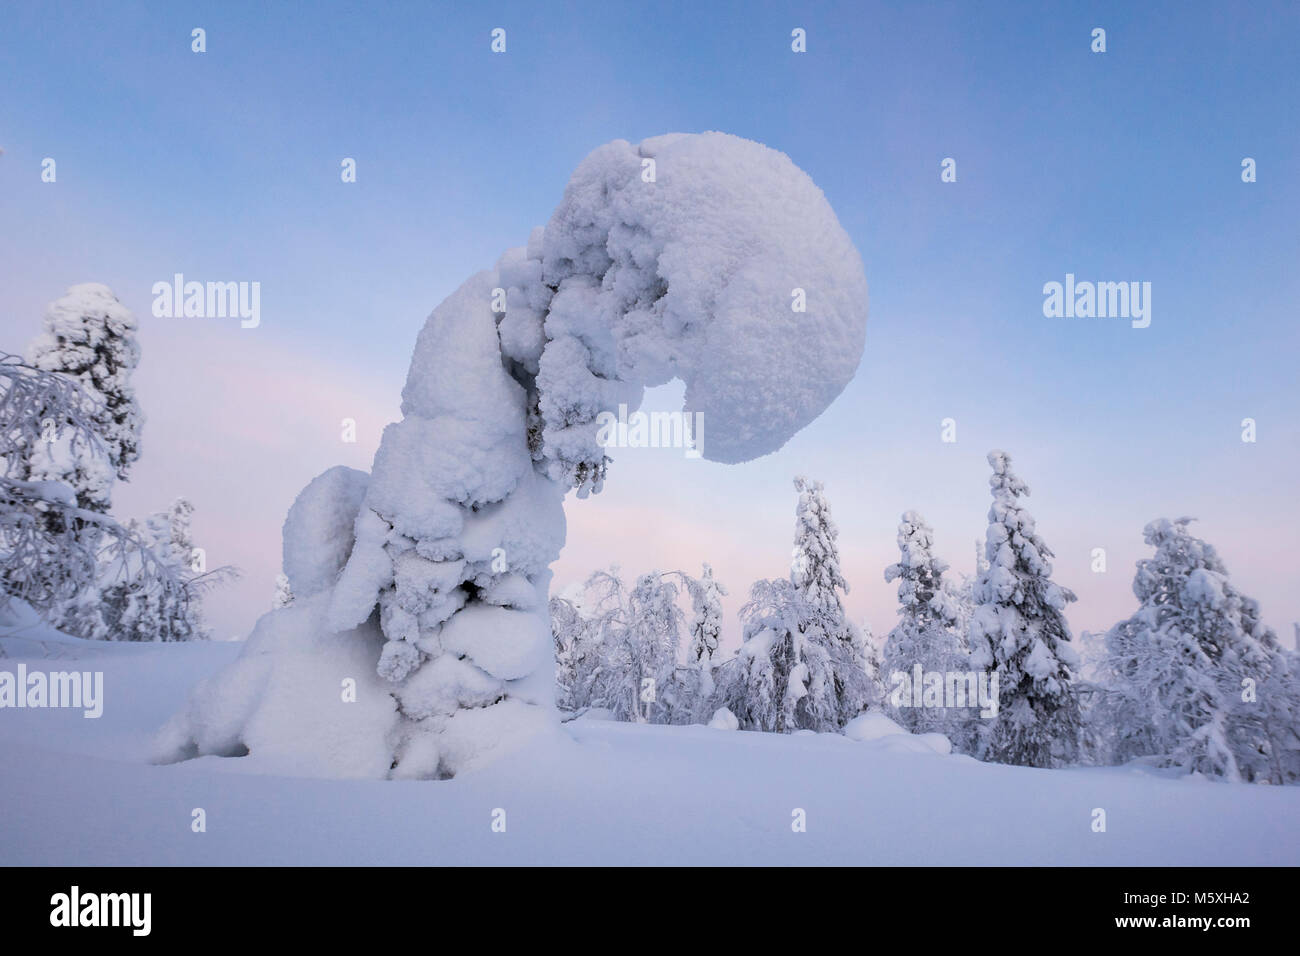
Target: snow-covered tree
<point x="815" y="573"/>
<point x="89" y="337"/>
<point x="1279" y="698"/>
<point x="50" y="542"/>
<point x="1194" y="679"/>
<point x="1019" y="631"/>
<point x="622" y="649"/>
<point x="801" y="666"/>
<point x="706" y="629"/>
<point x="872" y="656"/>
<point x="135" y="607"/>
<point x="635" y="281"/>
<point x="658" y="623"/>
<point x="767" y="686"/>
<point x="567" y="627"/>
<point x="78" y="567"/>
<point x="924" y="634"/>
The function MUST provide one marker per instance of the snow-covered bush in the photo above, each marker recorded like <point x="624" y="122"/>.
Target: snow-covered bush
<point x="1018" y="630"/>
<point x="1194" y="679"/>
<point x="723" y="719"/>
<point x="673" y="258"/>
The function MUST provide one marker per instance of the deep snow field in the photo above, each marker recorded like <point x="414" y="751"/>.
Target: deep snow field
<point x="80" y="791"/>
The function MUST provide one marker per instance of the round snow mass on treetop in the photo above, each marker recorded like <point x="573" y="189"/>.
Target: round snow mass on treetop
<point x="699" y="276"/>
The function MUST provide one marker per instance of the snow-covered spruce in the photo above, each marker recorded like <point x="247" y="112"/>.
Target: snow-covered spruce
<point x="925" y="634"/>
<point x="802" y="665"/>
<point x="89" y="336"/>
<point x="706" y="629"/>
<point x="1194" y="679"/>
<point x="675" y="258"/>
<point x="1018" y="630"/>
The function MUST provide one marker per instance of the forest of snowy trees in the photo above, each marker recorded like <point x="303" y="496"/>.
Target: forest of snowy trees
<point x="430" y="575"/>
<point x="1192" y="680"/>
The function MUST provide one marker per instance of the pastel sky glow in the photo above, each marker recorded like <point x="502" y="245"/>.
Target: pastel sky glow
<point x="1126" y="165"/>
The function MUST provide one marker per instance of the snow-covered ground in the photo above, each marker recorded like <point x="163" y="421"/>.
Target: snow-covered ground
<point x="81" y="791"/>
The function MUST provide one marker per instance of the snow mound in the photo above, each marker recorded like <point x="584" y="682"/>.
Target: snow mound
<point x="286" y="701"/>
<point x="724" y="719"/>
<point x="874" y="726"/>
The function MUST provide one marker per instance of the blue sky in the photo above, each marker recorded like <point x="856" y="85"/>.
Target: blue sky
<point x="1116" y="166"/>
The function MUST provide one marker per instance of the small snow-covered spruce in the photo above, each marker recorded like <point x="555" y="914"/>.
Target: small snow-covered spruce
<point x="1018" y="629"/>
<point x="787" y="678"/>
<point x="283" y="592"/>
<point x="89" y="337"/>
<point x="924" y="634"/>
<point x="872" y="656"/>
<point x="801" y="665"/>
<point x="706" y="629"/>
<point x="816" y="575"/>
<point x="1174" y="672"/>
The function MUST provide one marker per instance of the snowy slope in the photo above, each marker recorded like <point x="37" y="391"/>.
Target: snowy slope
<point x="79" y="791"/>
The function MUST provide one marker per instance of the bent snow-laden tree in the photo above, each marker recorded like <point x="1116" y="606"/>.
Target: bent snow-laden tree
<point x="707" y="258"/>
